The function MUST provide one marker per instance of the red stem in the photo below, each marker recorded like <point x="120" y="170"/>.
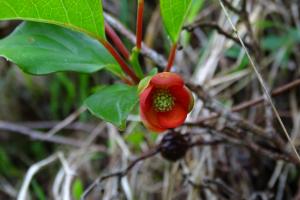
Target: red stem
<point x="139" y="24"/>
<point x="117" y="41"/>
<point x="120" y="60"/>
<point x="171" y="57"/>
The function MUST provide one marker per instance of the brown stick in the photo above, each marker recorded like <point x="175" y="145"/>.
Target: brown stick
<point x="119" y="174"/>
<point x="276" y="92"/>
<point x="247" y="104"/>
<point x="37" y="135"/>
<point x="216" y="27"/>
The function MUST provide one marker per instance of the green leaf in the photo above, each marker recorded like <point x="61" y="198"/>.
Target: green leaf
<point x="174" y="13"/>
<point x="77" y="189"/>
<point x="153" y="71"/>
<point x="195" y="9"/>
<point x="193" y="13"/>
<point x="39" y="48"/>
<point x="113" y="103"/>
<point x="143" y="84"/>
<point x="81" y="15"/>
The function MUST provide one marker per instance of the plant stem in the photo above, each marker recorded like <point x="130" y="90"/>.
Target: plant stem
<point x="171" y="57"/>
<point x="139" y="24"/>
<point x="146" y="51"/>
<point x="120" y="60"/>
<point x="116" y="41"/>
<point x="134" y="60"/>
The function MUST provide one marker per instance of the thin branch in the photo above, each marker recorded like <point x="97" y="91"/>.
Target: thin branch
<point x="37" y="135"/>
<point x="202" y="142"/>
<point x="77" y="126"/>
<point x="262" y="82"/>
<point x="7" y="188"/>
<point x="66" y="121"/>
<point x="119" y="174"/>
<point x="276" y="92"/>
<point x="216" y="27"/>
<point x="31" y="172"/>
<point x="208" y="183"/>
<point x="249" y="143"/>
<point x="231" y="7"/>
<point x="234" y="122"/>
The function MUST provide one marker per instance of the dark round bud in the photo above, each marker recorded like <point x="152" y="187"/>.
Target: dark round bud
<point x="173" y="146"/>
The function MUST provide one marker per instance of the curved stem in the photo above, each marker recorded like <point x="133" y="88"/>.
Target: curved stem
<point x="171" y="57"/>
<point x="139" y="24"/>
<point x="117" y="41"/>
<point x="120" y="60"/>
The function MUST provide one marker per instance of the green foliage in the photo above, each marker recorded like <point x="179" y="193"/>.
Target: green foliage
<point x="62" y="94"/>
<point x="234" y="52"/>
<point x="145" y="81"/>
<point x="196" y="7"/>
<point x="39" y="48"/>
<point x="281" y="46"/>
<point x="113" y="103"/>
<point x="6" y="166"/>
<point x="77" y="189"/>
<point x="81" y="15"/>
<point x="274" y="42"/>
<point x="174" y="13"/>
<point x="153" y="71"/>
<point x="265" y="24"/>
<point x="144" y="84"/>
<point x="134" y="60"/>
<point x="83" y="93"/>
<point x="136" y="137"/>
<point x="38" y="150"/>
<point x="38" y="190"/>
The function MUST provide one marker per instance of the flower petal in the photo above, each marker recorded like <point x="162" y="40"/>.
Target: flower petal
<point x="148" y="115"/>
<point x="145" y="98"/>
<point x="150" y="126"/>
<point x="173" y="118"/>
<point x="183" y="97"/>
<point x="166" y="80"/>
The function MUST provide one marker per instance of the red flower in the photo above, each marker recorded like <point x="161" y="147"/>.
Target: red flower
<point x="165" y="102"/>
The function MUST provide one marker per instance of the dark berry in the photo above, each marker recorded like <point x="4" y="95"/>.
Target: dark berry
<point x="173" y="146"/>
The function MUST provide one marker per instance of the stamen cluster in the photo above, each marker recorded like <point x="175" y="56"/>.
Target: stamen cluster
<point x="163" y="101"/>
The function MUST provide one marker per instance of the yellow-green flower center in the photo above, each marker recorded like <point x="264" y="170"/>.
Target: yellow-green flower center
<point x="163" y="101"/>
